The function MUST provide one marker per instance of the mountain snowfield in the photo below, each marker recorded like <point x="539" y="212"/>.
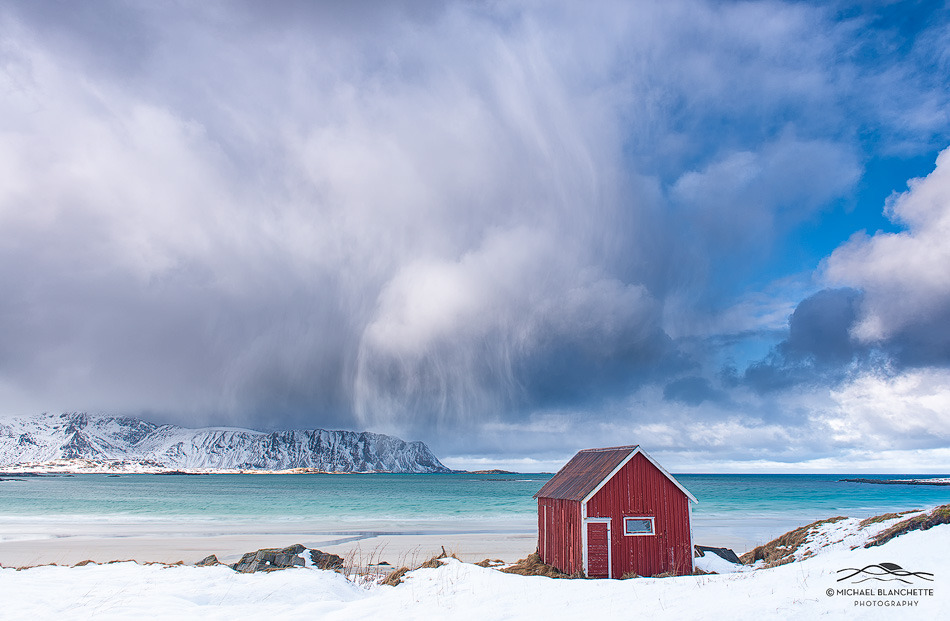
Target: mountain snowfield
<point x="80" y="436"/>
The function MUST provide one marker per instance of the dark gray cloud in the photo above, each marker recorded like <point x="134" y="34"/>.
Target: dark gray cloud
<point x="820" y="327"/>
<point x="692" y="390"/>
<point x="819" y="346"/>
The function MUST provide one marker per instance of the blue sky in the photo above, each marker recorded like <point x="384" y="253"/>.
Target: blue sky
<point x="511" y="230"/>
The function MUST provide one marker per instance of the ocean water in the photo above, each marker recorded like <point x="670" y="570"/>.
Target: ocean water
<point x="735" y="510"/>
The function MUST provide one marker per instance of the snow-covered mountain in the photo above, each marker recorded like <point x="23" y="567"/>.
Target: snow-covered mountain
<point x="46" y="437"/>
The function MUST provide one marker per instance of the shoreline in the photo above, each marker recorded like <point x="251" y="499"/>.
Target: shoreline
<point x="27" y="541"/>
<point x="24" y="543"/>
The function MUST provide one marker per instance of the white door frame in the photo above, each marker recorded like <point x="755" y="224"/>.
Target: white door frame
<point x="596" y="520"/>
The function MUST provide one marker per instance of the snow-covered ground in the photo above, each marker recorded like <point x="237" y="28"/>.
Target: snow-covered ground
<point x="806" y="589"/>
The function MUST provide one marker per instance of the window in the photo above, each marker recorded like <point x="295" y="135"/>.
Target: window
<point x="638" y="526"/>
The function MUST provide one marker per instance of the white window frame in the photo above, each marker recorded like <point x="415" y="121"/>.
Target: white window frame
<point x="652" y="532"/>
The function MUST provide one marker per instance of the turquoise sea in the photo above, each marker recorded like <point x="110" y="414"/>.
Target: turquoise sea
<point x="735" y="510"/>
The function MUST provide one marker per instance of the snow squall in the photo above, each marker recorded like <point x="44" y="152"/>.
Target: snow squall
<point x="45" y="437"/>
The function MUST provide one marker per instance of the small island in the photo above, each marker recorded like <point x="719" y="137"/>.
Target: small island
<point x="898" y="481"/>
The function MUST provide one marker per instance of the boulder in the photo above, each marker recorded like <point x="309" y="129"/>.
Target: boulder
<point x="270" y="559"/>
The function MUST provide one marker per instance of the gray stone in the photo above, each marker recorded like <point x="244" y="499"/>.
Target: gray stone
<point x="325" y="560"/>
<point x="269" y="559"/>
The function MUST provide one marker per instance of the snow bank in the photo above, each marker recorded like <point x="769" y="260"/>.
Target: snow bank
<point x="803" y="589"/>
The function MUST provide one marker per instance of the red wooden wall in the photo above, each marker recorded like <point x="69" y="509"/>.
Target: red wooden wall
<point x="559" y="534"/>
<point x="641" y="489"/>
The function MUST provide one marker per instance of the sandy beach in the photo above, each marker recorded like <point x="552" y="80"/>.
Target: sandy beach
<point x="28" y="544"/>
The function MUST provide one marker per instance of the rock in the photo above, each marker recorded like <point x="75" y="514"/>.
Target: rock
<point x="208" y="561"/>
<point x="325" y="560"/>
<point x="270" y="559"/>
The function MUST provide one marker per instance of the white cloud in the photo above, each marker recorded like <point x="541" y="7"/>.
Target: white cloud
<point x="910" y="410"/>
<point x="905" y="276"/>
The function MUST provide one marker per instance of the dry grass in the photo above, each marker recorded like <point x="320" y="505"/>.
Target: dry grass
<point x="488" y="562"/>
<point x="782" y="550"/>
<point x="883" y="518"/>
<point x="396" y="576"/>
<point x="532" y="566"/>
<point x="940" y="515"/>
<point x="362" y="566"/>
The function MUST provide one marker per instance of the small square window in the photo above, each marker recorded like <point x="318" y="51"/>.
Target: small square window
<point x="638" y="526"/>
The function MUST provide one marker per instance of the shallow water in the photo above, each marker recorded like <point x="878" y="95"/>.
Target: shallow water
<point x="739" y="511"/>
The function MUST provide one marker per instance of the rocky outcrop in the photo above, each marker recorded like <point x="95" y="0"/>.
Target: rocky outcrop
<point x="268" y="559"/>
<point x="272" y="559"/>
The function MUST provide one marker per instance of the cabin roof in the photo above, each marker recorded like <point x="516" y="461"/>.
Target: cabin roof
<point x="587" y="471"/>
<point x="584" y="472"/>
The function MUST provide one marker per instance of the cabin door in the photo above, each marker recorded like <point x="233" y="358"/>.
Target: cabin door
<point x="598" y="547"/>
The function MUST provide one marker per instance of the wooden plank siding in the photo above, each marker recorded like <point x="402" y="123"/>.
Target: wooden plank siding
<point x="559" y="534"/>
<point x="597" y="555"/>
<point x="640" y="489"/>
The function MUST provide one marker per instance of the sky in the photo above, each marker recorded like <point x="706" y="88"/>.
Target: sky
<point x="511" y="230"/>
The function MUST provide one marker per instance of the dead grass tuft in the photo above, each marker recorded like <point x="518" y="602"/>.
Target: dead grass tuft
<point x="532" y="566"/>
<point x="395" y="577"/>
<point x="488" y="562"/>
<point x="782" y="550"/>
<point x="436" y="561"/>
<point x="940" y="515"/>
<point x="883" y="518"/>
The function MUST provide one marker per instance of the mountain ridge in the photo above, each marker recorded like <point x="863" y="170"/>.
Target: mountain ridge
<point x="78" y="435"/>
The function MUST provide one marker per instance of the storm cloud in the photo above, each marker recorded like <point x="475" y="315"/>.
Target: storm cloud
<point x="503" y="229"/>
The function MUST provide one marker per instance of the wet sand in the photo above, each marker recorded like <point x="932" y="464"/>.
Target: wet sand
<point x="24" y="545"/>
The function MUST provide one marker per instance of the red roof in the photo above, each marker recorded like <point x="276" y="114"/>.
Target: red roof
<point x="584" y="472"/>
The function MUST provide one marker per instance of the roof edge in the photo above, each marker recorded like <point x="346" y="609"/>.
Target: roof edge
<point x="623" y="463"/>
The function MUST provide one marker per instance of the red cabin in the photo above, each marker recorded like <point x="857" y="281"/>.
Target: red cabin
<point x="613" y="511"/>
